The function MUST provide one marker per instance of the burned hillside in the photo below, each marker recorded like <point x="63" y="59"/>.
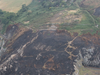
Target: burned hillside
<point x="48" y="52"/>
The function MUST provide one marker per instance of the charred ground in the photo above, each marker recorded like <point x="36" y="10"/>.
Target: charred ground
<point x="48" y="52"/>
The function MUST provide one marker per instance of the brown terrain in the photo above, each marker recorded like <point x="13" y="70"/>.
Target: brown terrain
<point x="13" y="5"/>
<point x="66" y="16"/>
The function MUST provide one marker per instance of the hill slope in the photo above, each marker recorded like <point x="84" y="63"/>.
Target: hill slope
<point x="49" y="52"/>
<point x="72" y="15"/>
<point x="33" y="45"/>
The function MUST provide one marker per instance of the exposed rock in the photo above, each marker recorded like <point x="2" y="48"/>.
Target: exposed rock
<point x="91" y="56"/>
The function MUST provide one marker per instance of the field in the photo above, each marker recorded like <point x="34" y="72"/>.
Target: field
<point x="66" y="16"/>
<point x="13" y="5"/>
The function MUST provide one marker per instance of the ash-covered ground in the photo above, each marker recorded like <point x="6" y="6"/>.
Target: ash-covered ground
<point x="48" y="52"/>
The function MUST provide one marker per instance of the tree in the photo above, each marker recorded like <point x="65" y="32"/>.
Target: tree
<point x="1" y="12"/>
<point x="24" y="8"/>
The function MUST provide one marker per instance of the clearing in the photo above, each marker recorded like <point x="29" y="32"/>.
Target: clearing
<point x="13" y="5"/>
<point x="66" y="16"/>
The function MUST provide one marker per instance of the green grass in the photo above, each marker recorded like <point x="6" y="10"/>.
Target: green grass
<point x="38" y="16"/>
<point x="87" y="24"/>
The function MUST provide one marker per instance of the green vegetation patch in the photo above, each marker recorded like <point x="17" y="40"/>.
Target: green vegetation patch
<point x="87" y="24"/>
<point x="41" y="13"/>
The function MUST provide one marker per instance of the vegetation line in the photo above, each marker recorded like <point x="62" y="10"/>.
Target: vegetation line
<point x="90" y="16"/>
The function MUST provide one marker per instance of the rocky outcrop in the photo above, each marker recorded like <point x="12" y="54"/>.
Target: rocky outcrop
<point x="91" y="56"/>
<point x="48" y="52"/>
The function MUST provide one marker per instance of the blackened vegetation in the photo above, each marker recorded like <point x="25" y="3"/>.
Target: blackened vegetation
<point x="97" y="12"/>
<point x="45" y="53"/>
